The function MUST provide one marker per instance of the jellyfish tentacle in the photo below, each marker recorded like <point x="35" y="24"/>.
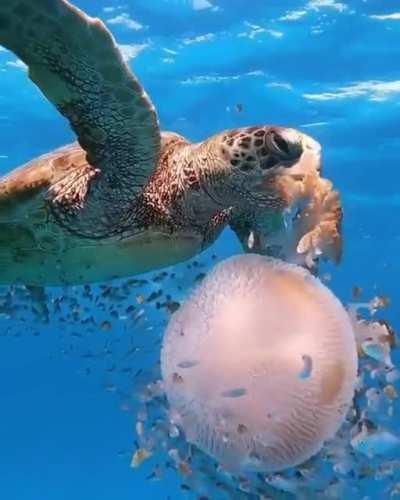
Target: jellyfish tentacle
<point x="325" y="212"/>
<point x="317" y="225"/>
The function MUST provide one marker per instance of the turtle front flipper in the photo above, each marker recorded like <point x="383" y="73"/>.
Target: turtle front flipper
<point x="76" y="63"/>
<point x="215" y="227"/>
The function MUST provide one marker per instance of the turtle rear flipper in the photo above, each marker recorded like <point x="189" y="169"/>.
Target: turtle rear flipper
<point x="47" y="177"/>
<point x="76" y="63"/>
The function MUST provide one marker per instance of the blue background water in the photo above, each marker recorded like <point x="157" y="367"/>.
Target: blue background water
<point x="329" y="68"/>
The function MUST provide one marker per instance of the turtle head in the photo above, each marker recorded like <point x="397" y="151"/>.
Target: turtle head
<point x="251" y="159"/>
<point x="286" y="209"/>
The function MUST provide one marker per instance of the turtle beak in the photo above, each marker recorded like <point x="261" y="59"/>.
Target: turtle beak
<point x="312" y="154"/>
<point x="309" y="158"/>
<point x="286" y="145"/>
<point x="310" y="144"/>
<point x="290" y="146"/>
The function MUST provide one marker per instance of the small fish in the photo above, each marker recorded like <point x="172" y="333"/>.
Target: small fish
<point x="307" y="367"/>
<point x="139" y="428"/>
<point x="280" y="482"/>
<point x="140" y="299"/>
<point x="244" y="485"/>
<point x="184" y="469"/>
<point x="239" y="108"/>
<point x="225" y="437"/>
<point x="395" y="491"/>
<point x="234" y="393"/>
<point x="156" y="474"/>
<point x="140" y="455"/>
<point x="288" y="218"/>
<point x="153" y="296"/>
<point x="110" y="387"/>
<point x="187" y="364"/>
<point x="393" y="375"/>
<point x="388" y="335"/>
<point x="172" y="306"/>
<point x="241" y="428"/>
<point x="378" y="351"/>
<point x="174" y="432"/>
<point x="138" y="315"/>
<point x="177" y="379"/>
<point x="390" y="391"/>
<point x="251" y="240"/>
<point x="106" y="326"/>
<point x="174" y="454"/>
<point x="383" y="301"/>
<point x="378" y="303"/>
<point x="375" y="442"/>
<point x="160" y="277"/>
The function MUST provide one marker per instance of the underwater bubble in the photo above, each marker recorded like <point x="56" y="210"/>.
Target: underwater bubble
<point x="257" y="323"/>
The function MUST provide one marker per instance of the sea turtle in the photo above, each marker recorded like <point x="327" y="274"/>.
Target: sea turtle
<point x="127" y="198"/>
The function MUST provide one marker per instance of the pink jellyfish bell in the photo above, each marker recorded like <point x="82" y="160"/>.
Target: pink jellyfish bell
<point x="259" y="365"/>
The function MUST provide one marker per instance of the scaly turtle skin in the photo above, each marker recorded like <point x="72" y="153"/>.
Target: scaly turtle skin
<point x="127" y="198"/>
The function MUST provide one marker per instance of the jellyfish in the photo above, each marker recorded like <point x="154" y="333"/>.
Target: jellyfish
<point x="259" y="365"/>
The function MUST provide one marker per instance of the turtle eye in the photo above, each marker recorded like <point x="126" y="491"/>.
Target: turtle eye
<point x="269" y="162"/>
<point x="280" y="142"/>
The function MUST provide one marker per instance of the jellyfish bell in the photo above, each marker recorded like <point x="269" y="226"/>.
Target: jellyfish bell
<point x="259" y="365"/>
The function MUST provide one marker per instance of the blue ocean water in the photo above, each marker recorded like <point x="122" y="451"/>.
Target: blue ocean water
<point x="326" y="67"/>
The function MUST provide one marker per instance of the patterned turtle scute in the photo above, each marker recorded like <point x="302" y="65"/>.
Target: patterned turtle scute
<point x="248" y="148"/>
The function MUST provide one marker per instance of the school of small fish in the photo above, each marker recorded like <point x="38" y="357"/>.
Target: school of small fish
<point x="117" y="329"/>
